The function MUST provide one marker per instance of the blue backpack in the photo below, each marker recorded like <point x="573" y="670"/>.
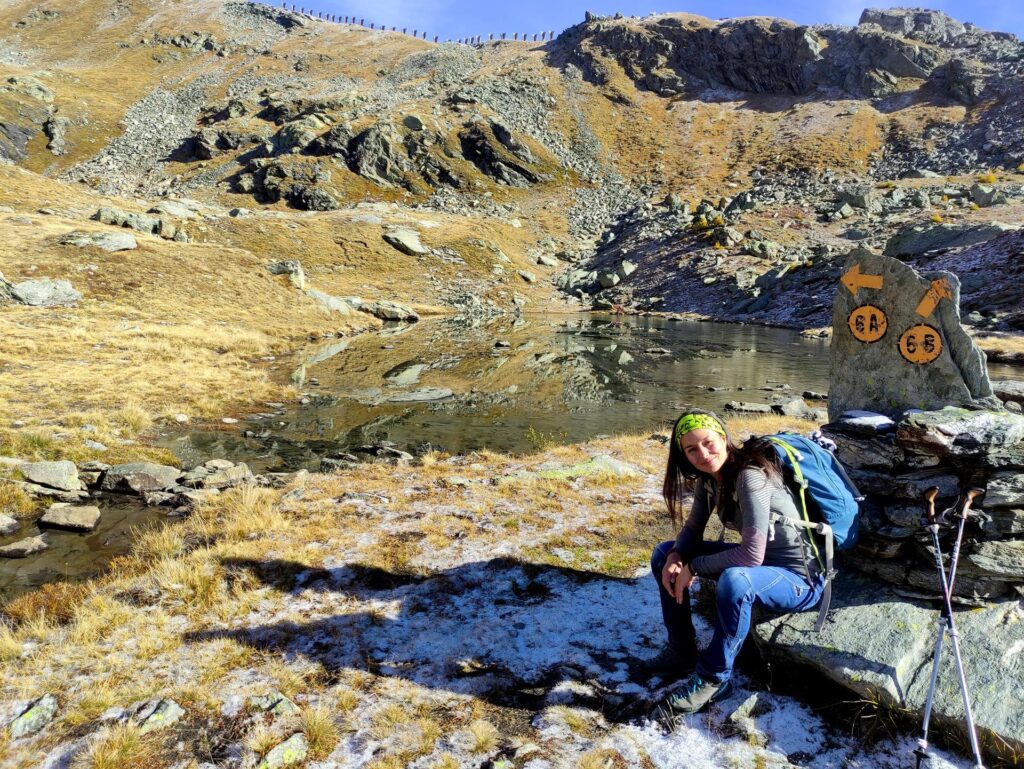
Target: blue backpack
<point x="833" y="512"/>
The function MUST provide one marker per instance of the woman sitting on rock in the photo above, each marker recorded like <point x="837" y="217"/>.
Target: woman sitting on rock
<point x="772" y="565"/>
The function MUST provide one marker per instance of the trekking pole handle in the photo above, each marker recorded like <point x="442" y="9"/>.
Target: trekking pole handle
<point x="968" y="498"/>
<point x="929" y="498"/>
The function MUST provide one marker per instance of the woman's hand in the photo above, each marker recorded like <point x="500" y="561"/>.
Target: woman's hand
<point x="676" y="576"/>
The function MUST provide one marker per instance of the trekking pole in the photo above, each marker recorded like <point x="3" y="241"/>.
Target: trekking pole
<point x="945" y="621"/>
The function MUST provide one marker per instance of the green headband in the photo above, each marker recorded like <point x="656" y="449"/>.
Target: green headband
<point x="691" y="422"/>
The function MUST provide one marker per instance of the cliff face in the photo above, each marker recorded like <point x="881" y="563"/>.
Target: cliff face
<point x="565" y="149"/>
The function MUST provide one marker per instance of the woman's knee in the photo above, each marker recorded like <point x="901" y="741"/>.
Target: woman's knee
<point x="734" y="585"/>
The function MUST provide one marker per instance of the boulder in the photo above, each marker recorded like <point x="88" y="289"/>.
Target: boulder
<point x="960" y="433"/>
<point x="70" y="517"/>
<point x="106" y="241"/>
<point x="392" y="311"/>
<point x="923" y="238"/>
<point x="292" y="268"/>
<point x="879" y="644"/>
<point x="405" y="240"/>
<point x="897" y="341"/>
<point x="1009" y="390"/>
<point x="140" y="476"/>
<point x="985" y="196"/>
<point x="61" y="474"/>
<point x="312" y="197"/>
<point x="133" y="221"/>
<point x="23" y="548"/>
<point x="413" y="122"/>
<point x="865" y="197"/>
<point x="45" y="292"/>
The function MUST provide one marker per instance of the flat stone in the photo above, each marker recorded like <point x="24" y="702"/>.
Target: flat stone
<point x="45" y="292"/>
<point x="1004" y="489"/>
<point x="862" y="423"/>
<point x="37" y="716"/>
<point x="70" y="517"/>
<point x="959" y="432"/>
<point x="8" y="525"/>
<point x="423" y="394"/>
<point x="61" y="474"/>
<point x="1006" y="520"/>
<point x="547" y="261"/>
<point x="23" y="548"/>
<point x="1008" y="390"/>
<point x="749" y="408"/>
<point x="921" y="239"/>
<point x="526" y="275"/>
<point x="106" y="241"/>
<point x="941" y="366"/>
<point x="332" y="303"/>
<point x="174" y="208"/>
<point x="140" y="476"/>
<point x="875" y="452"/>
<point x="406" y="240"/>
<point x="223" y="478"/>
<point x="159" y="715"/>
<point x="275" y="703"/>
<point x="1002" y="558"/>
<point x="880" y="644"/>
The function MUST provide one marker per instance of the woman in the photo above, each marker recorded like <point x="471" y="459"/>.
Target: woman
<point x="772" y="566"/>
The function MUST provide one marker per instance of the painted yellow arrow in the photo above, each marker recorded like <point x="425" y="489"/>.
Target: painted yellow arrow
<point x="939" y="290"/>
<point x="854" y="279"/>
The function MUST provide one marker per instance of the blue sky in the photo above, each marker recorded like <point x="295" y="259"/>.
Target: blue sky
<point x="463" y="18"/>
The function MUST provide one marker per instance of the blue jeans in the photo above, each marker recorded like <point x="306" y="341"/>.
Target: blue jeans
<point x="740" y="588"/>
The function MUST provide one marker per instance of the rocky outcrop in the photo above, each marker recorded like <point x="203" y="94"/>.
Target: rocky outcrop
<point x="377" y="154"/>
<point x="492" y="157"/>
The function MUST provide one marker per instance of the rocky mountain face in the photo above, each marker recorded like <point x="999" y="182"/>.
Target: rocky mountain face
<point x="728" y="165"/>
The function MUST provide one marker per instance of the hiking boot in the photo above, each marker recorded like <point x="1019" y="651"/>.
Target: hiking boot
<point x="669" y="664"/>
<point x="692" y="697"/>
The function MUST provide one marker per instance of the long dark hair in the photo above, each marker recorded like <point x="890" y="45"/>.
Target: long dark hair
<point x="681" y="476"/>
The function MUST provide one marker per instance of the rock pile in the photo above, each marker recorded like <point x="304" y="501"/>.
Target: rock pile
<point x="893" y="462"/>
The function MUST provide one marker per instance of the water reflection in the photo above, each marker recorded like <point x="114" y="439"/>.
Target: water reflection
<point x="461" y="387"/>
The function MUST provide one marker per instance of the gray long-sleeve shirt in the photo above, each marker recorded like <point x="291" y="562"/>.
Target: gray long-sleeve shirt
<point x="759" y="499"/>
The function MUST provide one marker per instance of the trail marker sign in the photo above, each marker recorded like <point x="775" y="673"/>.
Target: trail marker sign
<point x="897" y="341"/>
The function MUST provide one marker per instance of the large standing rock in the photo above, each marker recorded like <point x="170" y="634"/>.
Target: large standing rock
<point x="910" y="351"/>
<point x="61" y="474"/>
<point x="139" y="477"/>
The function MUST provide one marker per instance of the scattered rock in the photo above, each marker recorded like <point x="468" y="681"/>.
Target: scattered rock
<point x="405" y="240"/>
<point x="8" y="525"/>
<point x="44" y="292"/>
<point x="23" y="548"/>
<point x="35" y="718"/>
<point x="60" y="474"/>
<point x="291" y="751"/>
<point x="158" y="714"/>
<point x="140" y="476"/>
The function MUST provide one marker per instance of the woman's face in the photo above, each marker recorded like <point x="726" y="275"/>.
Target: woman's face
<point x="706" y="450"/>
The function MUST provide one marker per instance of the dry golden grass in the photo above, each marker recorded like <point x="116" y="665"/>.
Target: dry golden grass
<point x="56" y="602"/>
<point x="320" y="729"/>
<point x="1002" y="344"/>
<point x="122" y="746"/>
<point x="484" y="736"/>
<point x="14" y="501"/>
